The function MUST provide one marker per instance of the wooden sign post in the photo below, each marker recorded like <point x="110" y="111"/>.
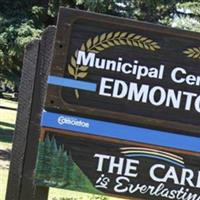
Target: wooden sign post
<point x="33" y="85"/>
<point x="121" y="115"/>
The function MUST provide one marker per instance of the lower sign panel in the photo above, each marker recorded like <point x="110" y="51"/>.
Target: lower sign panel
<point x="103" y="167"/>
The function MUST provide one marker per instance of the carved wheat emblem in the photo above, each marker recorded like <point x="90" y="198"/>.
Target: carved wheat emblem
<point x="105" y="41"/>
<point x="193" y="52"/>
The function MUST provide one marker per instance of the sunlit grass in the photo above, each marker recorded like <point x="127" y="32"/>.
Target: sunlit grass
<point x="5" y="145"/>
<point x="54" y="194"/>
<point x="8" y="111"/>
<point x="7" y="125"/>
<point x="3" y="183"/>
<point x="7" y="120"/>
<point x="57" y="194"/>
<point x="8" y="103"/>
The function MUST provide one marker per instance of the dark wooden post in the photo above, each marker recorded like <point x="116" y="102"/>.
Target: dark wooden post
<point x="36" y="67"/>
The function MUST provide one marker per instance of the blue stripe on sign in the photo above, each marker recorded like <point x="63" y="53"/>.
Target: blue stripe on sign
<point x="120" y="131"/>
<point x="66" y="82"/>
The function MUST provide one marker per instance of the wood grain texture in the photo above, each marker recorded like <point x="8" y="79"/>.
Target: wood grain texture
<point x="36" y="68"/>
<point x="23" y="120"/>
<point x="113" y="141"/>
<point x="76" y="27"/>
<point x="83" y="150"/>
<point x="44" y="60"/>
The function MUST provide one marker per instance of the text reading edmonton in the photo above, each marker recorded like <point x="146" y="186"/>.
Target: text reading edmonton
<point x="132" y="91"/>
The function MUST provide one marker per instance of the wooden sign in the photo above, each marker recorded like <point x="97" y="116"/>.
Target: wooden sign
<point x="121" y="115"/>
<point x="122" y="109"/>
<point x="127" y="170"/>
<point x="125" y="71"/>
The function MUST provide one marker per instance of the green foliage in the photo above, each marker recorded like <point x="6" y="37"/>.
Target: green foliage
<point x="53" y="6"/>
<point x="17" y="28"/>
<point x="24" y="20"/>
<point x="56" y="168"/>
<point x="188" y="16"/>
<point x="190" y="7"/>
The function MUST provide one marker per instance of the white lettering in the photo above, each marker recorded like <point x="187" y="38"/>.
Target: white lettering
<point x="88" y="60"/>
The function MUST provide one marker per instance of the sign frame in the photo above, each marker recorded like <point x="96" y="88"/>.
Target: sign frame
<point x="66" y="20"/>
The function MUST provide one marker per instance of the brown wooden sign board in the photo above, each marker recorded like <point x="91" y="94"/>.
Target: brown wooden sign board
<point x="140" y="73"/>
<point x="131" y="89"/>
<point x="121" y="169"/>
<point x="121" y="113"/>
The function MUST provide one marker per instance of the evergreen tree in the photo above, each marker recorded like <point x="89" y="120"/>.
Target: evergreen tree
<point x="54" y="161"/>
<point x="65" y="172"/>
<point x="71" y="171"/>
<point x="79" y="178"/>
<point x="47" y="160"/>
<point x="59" y="169"/>
<point x="61" y="162"/>
<point x="39" y="172"/>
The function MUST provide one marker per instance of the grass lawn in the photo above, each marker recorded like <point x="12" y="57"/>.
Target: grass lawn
<point x="7" y="125"/>
<point x="58" y="194"/>
<point x="5" y="145"/>
<point x="3" y="181"/>
<point x="54" y="194"/>
<point x="7" y="119"/>
<point x="8" y="103"/>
